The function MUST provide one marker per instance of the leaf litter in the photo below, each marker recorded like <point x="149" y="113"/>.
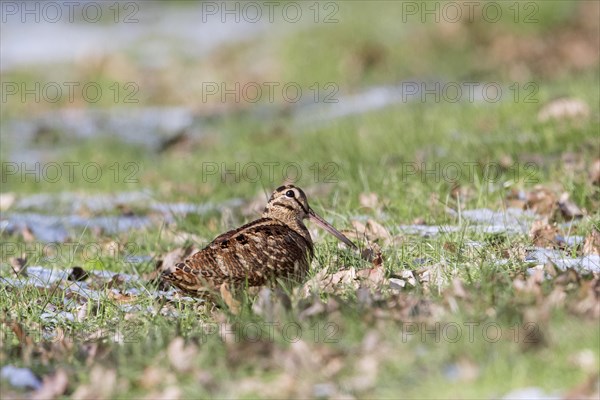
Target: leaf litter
<point x="369" y="283"/>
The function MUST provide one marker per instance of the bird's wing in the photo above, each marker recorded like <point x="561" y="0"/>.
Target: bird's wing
<point x="250" y="255"/>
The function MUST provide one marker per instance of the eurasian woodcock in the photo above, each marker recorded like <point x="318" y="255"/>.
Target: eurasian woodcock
<point x="277" y="245"/>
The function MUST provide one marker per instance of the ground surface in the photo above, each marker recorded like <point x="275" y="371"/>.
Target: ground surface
<point x="479" y="207"/>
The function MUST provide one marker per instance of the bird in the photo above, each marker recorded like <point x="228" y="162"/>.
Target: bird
<point x="275" y="246"/>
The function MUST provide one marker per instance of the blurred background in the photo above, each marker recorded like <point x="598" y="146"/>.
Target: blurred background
<point x="342" y="90"/>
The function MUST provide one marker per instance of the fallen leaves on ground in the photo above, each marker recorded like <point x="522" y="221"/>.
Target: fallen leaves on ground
<point x="594" y="173"/>
<point x="569" y="209"/>
<point x="369" y="200"/>
<point x="174" y="257"/>
<point x="372" y="231"/>
<point x="53" y="386"/>
<point x="589" y="299"/>
<point x="336" y="282"/>
<point x="27" y="234"/>
<point x="374" y="276"/>
<point x="19" y="265"/>
<point x="543" y="234"/>
<point x="181" y="356"/>
<point x="432" y="276"/>
<point x="541" y="200"/>
<point x="592" y="243"/>
<point x="102" y="385"/>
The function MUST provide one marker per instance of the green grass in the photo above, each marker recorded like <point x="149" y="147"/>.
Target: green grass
<point x="359" y="331"/>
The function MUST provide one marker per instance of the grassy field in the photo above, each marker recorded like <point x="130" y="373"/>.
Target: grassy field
<point x="460" y="314"/>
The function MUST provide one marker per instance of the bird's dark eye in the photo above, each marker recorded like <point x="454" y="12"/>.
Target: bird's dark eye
<point x="290" y="193"/>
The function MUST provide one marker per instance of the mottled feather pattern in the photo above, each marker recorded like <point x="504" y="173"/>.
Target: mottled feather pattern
<point x="278" y="245"/>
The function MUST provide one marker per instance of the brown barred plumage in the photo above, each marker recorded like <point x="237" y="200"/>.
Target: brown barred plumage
<point x="277" y="245"/>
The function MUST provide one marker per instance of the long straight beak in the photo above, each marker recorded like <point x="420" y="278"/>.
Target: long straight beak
<point x="327" y="226"/>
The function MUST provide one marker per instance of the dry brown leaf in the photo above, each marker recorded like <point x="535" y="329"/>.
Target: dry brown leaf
<point x="462" y="193"/>
<point x="53" y="386"/>
<point x="541" y="200"/>
<point x="568" y="208"/>
<point x="366" y="376"/>
<point x="169" y="393"/>
<point x="543" y="234"/>
<point x="369" y="200"/>
<point x="594" y="173"/>
<point x="467" y="370"/>
<point x="431" y="275"/>
<point x="418" y="221"/>
<point x="120" y="297"/>
<point x="181" y="356"/>
<point x="372" y="254"/>
<point x="28" y="235"/>
<point x="376" y="274"/>
<point x="590" y="303"/>
<point x="372" y="230"/>
<point x="19" y="265"/>
<point x="530" y="285"/>
<point x="402" y="279"/>
<point x="458" y="289"/>
<point x="585" y="360"/>
<point x="450" y="247"/>
<point x="152" y="377"/>
<point x="516" y="199"/>
<point x="360" y="229"/>
<point x="21" y="333"/>
<point x="339" y="281"/>
<point x="564" y="108"/>
<point x="592" y="243"/>
<point x="409" y="277"/>
<point x="588" y="389"/>
<point x="102" y="385"/>
<point x="175" y="256"/>
<point x="376" y="230"/>
<point x="506" y="161"/>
